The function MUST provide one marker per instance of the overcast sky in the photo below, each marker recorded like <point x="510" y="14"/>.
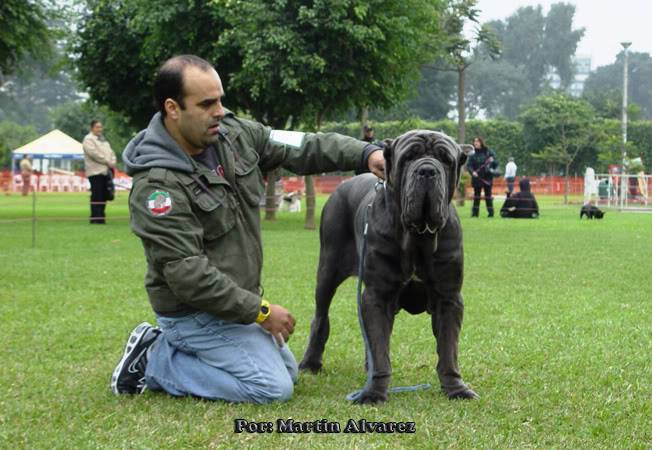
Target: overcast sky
<point x="607" y="23"/>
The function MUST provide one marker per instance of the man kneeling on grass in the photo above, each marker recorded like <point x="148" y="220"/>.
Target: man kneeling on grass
<point x="197" y="182"/>
<point x="521" y="205"/>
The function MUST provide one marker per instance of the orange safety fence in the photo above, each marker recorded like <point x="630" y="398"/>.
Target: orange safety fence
<point x="324" y="184"/>
<point x="545" y="185"/>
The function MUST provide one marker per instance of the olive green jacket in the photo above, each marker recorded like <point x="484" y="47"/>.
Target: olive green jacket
<point x="201" y="231"/>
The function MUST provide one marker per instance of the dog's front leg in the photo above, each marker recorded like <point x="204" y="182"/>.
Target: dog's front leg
<point x="378" y="318"/>
<point x="446" y="325"/>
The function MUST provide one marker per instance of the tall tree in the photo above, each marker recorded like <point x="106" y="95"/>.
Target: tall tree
<point x="12" y="136"/>
<point x="435" y="91"/>
<point x="28" y="97"/>
<point x="24" y="32"/>
<point x="121" y="43"/>
<point x="557" y="128"/>
<point x="458" y="55"/>
<point x="532" y="45"/>
<point x="560" y="41"/>
<point x="609" y="78"/>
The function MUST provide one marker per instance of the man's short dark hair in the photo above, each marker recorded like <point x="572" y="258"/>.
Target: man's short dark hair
<point x="169" y="79"/>
<point x="94" y="122"/>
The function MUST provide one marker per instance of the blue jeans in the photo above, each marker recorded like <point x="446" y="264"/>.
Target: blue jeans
<point x="510" y="184"/>
<point x="203" y="356"/>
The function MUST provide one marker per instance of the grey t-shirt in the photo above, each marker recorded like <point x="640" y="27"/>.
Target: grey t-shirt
<point x="209" y="159"/>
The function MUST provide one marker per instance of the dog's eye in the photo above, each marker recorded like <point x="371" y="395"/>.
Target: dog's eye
<point x="445" y="156"/>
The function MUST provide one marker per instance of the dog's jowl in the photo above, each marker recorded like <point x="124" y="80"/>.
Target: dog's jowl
<point x="413" y="260"/>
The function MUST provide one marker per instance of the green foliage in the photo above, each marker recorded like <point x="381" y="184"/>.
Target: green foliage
<point x="504" y="137"/>
<point x="557" y="128"/>
<point x="496" y="87"/>
<point x="435" y="90"/>
<point x="608" y="104"/>
<point x="24" y="32"/>
<point x="277" y="58"/>
<point x="608" y="80"/>
<point x="28" y="97"/>
<point x="531" y="44"/>
<point x="74" y="118"/>
<point x="12" y="136"/>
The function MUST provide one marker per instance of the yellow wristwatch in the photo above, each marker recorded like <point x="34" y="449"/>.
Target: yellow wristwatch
<point x="264" y="311"/>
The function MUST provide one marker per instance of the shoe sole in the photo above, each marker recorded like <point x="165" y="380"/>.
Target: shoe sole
<point x="134" y="338"/>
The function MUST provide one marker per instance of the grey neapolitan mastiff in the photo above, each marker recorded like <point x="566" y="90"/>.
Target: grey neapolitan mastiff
<point x="414" y="256"/>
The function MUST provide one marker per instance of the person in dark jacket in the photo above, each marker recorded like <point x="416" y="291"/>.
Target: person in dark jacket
<point x="197" y="183"/>
<point x="482" y="166"/>
<point x="521" y="205"/>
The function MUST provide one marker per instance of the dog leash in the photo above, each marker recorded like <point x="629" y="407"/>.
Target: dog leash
<point x="489" y="160"/>
<point x="355" y="395"/>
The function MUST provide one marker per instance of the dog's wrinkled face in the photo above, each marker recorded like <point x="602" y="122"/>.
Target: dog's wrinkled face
<point x="423" y="167"/>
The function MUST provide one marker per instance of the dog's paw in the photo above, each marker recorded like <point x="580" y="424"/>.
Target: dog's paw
<point x="365" y="397"/>
<point x="464" y="394"/>
<point x="310" y="366"/>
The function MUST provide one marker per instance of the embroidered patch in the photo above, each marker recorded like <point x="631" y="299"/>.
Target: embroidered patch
<point x="159" y="203"/>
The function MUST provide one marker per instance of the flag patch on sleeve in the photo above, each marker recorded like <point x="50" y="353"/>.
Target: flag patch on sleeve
<point x="159" y="203"/>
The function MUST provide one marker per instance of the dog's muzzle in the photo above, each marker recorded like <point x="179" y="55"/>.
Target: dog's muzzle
<point x="424" y="197"/>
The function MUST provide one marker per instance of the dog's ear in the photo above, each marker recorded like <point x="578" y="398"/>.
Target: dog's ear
<point x="388" y="154"/>
<point x="464" y="151"/>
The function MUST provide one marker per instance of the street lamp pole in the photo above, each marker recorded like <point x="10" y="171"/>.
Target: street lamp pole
<point x="623" y="180"/>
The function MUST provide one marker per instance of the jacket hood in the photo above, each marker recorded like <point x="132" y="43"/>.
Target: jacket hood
<point x="524" y="184"/>
<point x="154" y="147"/>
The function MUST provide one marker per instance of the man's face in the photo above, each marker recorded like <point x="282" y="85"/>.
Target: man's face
<point x="97" y="129"/>
<point x="197" y="125"/>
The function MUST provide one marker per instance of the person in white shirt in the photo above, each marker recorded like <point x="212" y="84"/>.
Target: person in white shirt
<point x="510" y="175"/>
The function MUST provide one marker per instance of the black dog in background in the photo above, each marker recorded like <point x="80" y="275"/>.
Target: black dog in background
<point x="591" y="212"/>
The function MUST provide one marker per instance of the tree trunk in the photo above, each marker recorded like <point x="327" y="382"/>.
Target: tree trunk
<point x="310" y="191"/>
<point x="270" y="196"/>
<point x="460" y="193"/>
<point x="566" y="184"/>
<point x="461" y="117"/>
<point x="310" y="203"/>
<point x="364" y="116"/>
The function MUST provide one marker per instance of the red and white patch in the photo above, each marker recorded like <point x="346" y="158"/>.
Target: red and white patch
<point x="159" y="203"/>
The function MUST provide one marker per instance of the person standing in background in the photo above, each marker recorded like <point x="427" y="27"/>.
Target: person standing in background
<point x="99" y="159"/>
<point x="482" y="166"/>
<point x="510" y="175"/>
<point x="368" y="134"/>
<point x="26" y="173"/>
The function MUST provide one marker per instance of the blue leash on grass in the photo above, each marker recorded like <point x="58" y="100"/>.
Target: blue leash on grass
<point x="356" y="395"/>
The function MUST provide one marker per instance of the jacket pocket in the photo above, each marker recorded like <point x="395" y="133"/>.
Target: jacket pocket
<point x="214" y="212"/>
<point x="248" y="178"/>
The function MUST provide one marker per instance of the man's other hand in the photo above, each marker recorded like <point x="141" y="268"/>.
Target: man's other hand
<point x="376" y="164"/>
<point x="279" y="322"/>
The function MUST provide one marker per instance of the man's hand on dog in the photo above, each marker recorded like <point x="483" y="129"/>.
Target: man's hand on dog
<point x="279" y="322"/>
<point x="376" y="164"/>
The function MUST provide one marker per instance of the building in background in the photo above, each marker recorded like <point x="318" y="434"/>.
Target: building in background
<point x="582" y="72"/>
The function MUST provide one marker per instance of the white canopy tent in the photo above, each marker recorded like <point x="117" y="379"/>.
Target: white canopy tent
<point x="55" y="149"/>
<point x="53" y="146"/>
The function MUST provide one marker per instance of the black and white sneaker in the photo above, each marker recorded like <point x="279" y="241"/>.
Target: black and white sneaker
<point x="129" y="375"/>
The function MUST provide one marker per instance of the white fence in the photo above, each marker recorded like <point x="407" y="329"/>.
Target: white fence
<point x="619" y="191"/>
<point x="64" y="183"/>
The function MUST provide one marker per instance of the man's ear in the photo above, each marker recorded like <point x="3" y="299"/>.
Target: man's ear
<point x="388" y="154"/>
<point x="171" y="108"/>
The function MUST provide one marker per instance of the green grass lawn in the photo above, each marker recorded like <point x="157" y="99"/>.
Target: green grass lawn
<point x="557" y="338"/>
